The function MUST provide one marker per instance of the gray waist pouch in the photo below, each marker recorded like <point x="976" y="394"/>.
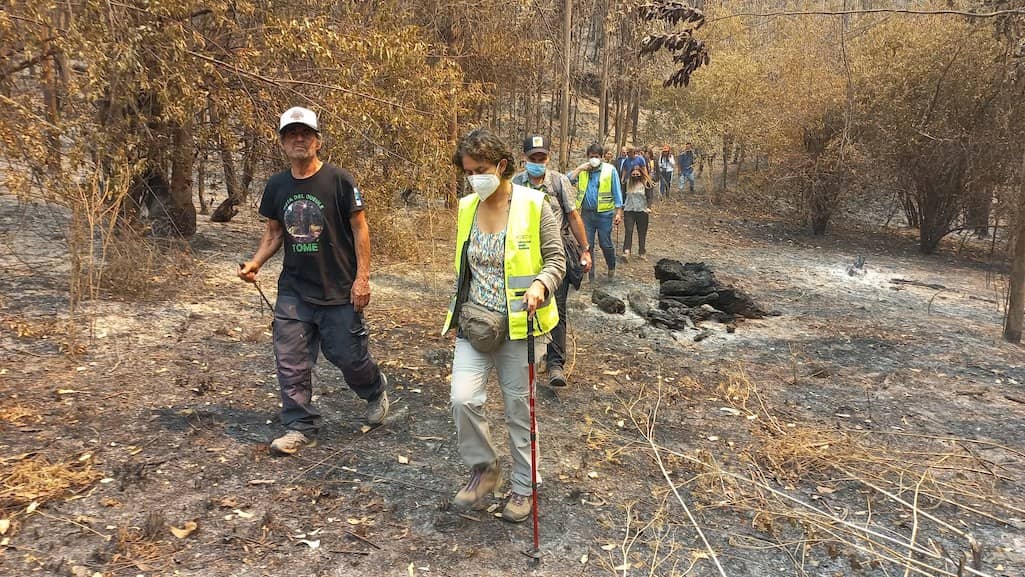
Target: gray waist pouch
<point x="484" y="328"/>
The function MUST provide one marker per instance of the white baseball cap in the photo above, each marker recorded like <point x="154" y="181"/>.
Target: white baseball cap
<point x="298" y="115"/>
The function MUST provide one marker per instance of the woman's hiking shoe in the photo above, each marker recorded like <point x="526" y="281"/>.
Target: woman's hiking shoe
<point x="517" y="509"/>
<point x="556" y="377"/>
<point x="483" y="481"/>
<point x="290" y="443"/>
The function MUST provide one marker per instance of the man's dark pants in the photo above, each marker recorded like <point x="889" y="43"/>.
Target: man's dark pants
<point x="301" y="331"/>
<point x="557" y="346"/>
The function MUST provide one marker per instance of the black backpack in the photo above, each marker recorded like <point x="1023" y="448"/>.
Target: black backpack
<point x="574" y="270"/>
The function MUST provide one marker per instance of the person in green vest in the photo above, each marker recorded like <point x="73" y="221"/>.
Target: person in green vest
<point x="560" y="193"/>
<point x="600" y="201"/>
<point x="509" y="262"/>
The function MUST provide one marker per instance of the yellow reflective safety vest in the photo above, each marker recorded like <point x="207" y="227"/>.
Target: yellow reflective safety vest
<point x="523" y="261"/>
<point x="605" y="200"/>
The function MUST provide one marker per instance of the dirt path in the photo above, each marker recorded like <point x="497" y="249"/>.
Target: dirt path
<point x="862" y="394"/>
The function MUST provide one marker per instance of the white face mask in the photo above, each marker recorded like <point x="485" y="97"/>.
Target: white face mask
<point x="484" y="184"/>
<point x="595" y="162"/>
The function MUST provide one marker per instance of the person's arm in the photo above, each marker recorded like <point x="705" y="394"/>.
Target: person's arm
<point x="270" y="242"/>
<point x="576" y="172"/>
<point x="576" y="225"/>
<point x="360" y="294"/>
<point x="553" y="256"/>
<point x="617" y="199"/>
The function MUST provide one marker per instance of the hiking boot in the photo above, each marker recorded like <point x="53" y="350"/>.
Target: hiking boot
<point x="377" y="409"/>
<point x="612" y="274"/>
<point x="290" y="443"/>
<point x="625" y="256"/>
<point x="556" y="377"/>
<point x="517" y="509"/>
<point x="483" y="481"/>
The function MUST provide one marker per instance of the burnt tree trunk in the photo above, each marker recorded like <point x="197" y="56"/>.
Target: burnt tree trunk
<point x="1015" y="320"/>
<point x="727" y="143"/>
<point x="236" y="194"/>
<point x="635" y="112"/>
<point x="178" y="219"/>
<point x="977" y="211"/>
<point x="204" y="208"/>
<point x="249" y="161"/>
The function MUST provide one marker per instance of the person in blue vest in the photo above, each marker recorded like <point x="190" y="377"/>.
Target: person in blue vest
<point x="509" y="263"/>
<point x="562" y="195"/>
<point x="600" y="201"/>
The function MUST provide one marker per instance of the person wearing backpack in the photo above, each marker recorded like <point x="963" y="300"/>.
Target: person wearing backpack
<point x="557" y="189"/>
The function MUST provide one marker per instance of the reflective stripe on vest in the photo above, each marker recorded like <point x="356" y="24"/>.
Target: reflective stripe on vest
<point x="606" y="201"/>
<point x="523" y="259"/>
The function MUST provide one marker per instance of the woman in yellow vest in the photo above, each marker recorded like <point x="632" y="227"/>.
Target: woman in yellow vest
<point x="509" y="262"/>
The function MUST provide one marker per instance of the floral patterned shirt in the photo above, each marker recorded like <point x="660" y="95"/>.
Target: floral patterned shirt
<point x="486" y="255"/>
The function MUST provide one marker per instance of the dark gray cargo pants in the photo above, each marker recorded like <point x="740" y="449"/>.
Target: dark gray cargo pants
<point x="301" y="330"/>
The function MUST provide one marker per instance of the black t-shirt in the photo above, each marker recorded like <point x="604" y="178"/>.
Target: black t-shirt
<point x="320" y="255"/>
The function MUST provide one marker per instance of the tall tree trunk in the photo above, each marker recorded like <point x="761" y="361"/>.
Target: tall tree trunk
<point x="553" y="103"/>
<point x="538" y="92"/>
<point x="452" y="194"/>
<point x="567" y="33"/>
<point x="179" y="216"/>
<point x="978" y="209"/>
<point x="50" y="104"/>
<point x="1015" y="321"/>
<point x="635" y="111"/>
<point x="236" y="194"/>
<point x="603" y="83"/>
<point x="726" y="144"/>
<point x="249" y="161"/>
<point x="617" y="120"/>
<point x="528" y="106"/>
<point x="204" y="209"/>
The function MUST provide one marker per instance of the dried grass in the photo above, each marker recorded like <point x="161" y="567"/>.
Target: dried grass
<point x="802" y="484"/>
<point x="400" y="234"/>
<point x="19" y="415"/>
<point x="140" y="267"/>
<point x="32" y="478"/>
<point x="136" y="549"/>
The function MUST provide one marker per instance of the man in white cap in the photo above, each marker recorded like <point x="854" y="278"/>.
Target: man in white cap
<point x="316" y="212"/>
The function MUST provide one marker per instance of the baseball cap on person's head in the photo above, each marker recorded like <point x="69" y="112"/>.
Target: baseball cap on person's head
<point x="298" y="115"/>
<point x="535" y="143"/>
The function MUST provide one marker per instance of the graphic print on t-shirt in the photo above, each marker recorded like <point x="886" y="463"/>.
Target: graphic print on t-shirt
<point x="304" y="221"/>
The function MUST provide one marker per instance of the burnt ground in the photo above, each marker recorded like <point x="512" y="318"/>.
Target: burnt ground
<point x="870" y="427"/>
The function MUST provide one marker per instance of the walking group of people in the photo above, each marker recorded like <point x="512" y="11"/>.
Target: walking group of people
<point x="659" y="169"/>
<point x="522" y="240"/>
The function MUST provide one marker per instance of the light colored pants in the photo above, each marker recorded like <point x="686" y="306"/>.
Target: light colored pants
<point x="470" y="369"/>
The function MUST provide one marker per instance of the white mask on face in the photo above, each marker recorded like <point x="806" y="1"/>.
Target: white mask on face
<point x="484" y="184"/>
<point x="595" y="162"/>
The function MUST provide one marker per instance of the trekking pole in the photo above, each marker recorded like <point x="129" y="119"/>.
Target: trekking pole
<point x="260" y="290"/>
<point x="535" y="552"/>
<point x="617" y="246"/>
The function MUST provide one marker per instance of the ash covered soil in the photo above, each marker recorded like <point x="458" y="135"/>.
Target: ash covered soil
<point x="872" y="426"/>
